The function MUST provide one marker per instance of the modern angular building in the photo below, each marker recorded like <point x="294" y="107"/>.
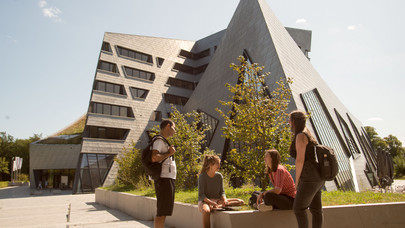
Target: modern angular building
<point x="138" y="78"/>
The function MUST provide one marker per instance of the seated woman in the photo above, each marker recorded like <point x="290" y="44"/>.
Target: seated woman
<point x="211" y="193"/>
<point x="283" y="194"/>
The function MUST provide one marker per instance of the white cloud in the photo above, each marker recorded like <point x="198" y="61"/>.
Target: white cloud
<point x="42" y="3"/>
<point x="375" y="119"/>
<point x="353" y="27"/>
<point x="12" y="39"/>
<point x="50" y="12"/>
<point x="301" y="21"/>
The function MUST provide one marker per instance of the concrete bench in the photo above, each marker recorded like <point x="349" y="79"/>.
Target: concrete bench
<point x="390" y="215"/>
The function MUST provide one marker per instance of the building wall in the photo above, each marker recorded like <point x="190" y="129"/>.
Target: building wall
<point x="253" y="28"/>
<point x="52" y="156"/>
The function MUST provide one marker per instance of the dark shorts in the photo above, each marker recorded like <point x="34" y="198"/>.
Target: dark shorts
<point x="165" y="188"/>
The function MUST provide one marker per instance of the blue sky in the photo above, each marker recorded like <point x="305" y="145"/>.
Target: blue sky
<point x="49" y="51"/>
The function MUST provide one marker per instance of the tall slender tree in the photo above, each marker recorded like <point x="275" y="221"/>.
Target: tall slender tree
<point x="257" y="120"/>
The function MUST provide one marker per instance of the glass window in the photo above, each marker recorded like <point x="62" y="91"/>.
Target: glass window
<point x="139" y="93"/>
<point x="93" y="173"/>
<point x="117" y="89"/>
<point x="106" y="47"/>
<point x="115" y="110"/>
<point x="132" y="72"/>
<point x="102" y="133"/>
<point x="159" y="61"/>
<point x="107" y="109"/>
<point x="110" y="88"/>
<point x="134" y="54"/>
<point x="99" y="108"/>
<point x="328" y="135"/>
<point x="101" y="86"/>
<point x="107" y="66"/>
<point x="123" y="111"/>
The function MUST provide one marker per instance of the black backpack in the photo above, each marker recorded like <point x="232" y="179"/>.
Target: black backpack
<point x="253" y="199"/>
<point x="328" y="165"/>
<point x="153" y="169"/>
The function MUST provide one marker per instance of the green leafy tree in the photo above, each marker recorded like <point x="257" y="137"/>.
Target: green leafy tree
<point x="399" y="167"/>
<point x="188" y="141"/>
<point x="256" y="121"/>
<point x="394" y="146"/>
<point x="376" y="140"/>
<point x="130" y="170"/>
<point x="3" y="167"/>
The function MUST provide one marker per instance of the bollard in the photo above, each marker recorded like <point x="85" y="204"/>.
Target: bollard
<point x="68" y="214"/>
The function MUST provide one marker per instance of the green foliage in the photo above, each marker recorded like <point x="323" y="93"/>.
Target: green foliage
<point x="189" y="137"/>
<point x="23" y="177"/>
<point x="4" y="166"/>
<point x="392" y="145"/>
<point x="399" y="167"/>
<point x="130" y="170"/>
<point x="328" y="198"/>
<point x="376" y="140"/>
<point x="3" y="184"/>
<point x="347" y="197"/>
<point x="256" y="121"/>
<point x="11" y="147"/>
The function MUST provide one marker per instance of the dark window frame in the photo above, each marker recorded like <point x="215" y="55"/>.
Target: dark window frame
<point x="134" y="55"/>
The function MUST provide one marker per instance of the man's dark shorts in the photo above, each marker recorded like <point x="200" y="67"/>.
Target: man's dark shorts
<point x="164" y="189"/>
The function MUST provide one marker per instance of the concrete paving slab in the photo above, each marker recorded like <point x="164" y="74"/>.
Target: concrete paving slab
<point x="19" y="207"/>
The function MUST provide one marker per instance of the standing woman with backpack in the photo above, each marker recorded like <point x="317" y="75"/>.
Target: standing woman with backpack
<point x="307" y="177"/>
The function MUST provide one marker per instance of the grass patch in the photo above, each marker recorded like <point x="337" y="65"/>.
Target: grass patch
<point x="3" y="184"/>
<point x="344" y="198"/>
<point x="328" y="198"/>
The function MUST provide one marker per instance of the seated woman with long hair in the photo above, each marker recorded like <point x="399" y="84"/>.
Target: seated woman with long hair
<point x="283" y="194"/>
<point x="211" y="192"/>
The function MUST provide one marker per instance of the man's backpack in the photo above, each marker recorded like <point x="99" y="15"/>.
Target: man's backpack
<point x="153" y="169"/>
<point x="328" y="165"/>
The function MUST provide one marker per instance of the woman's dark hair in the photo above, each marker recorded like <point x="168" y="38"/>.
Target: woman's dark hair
<point x="298" y="120"/>
<point x="275" y="160"/>
<point x="208" y="161"/>
<point x="165" y="122"/>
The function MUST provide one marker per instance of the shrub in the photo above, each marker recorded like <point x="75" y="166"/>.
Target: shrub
<point x="130" y="170"/>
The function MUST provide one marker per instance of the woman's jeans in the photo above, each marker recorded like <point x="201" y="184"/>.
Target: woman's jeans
<point x="309" y="195"/>
<point x="279" y="201"/>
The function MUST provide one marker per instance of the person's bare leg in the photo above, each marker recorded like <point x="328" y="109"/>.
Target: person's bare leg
<point x="205" y="210"/>
<point x="159" y="222"/>
<point x="235" y="202"/>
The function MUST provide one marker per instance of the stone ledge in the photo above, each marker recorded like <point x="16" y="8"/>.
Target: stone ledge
<point x="387" y="215"/>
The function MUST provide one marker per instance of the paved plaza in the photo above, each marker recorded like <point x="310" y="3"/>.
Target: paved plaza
<point x="18" y="208"/>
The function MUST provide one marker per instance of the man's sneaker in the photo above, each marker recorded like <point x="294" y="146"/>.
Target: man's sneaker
<point x="263" y="207"/>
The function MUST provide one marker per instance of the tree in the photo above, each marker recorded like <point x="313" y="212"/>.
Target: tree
<point x="376" y="140"/>
<point x="3" y="167"/>
<point x="188" y="140"/>
<point x="10" y="147"/>
<point x="394" y="146"/>
<point x="256" y="121"/>
<point x="130" y="170"/>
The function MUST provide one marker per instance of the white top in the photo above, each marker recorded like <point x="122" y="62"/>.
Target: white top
<point x="169" y="165"/>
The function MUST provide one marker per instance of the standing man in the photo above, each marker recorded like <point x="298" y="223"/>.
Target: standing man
<point x="165" y="186"/>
